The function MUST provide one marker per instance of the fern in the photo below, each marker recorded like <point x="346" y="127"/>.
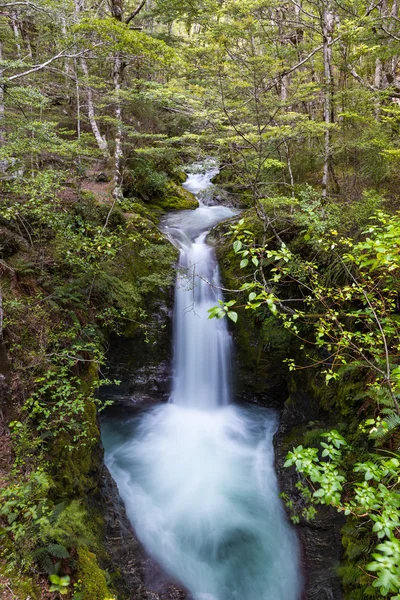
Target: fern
<point x="43" y="559"/>
<point x="350" y="574"/>
<point x="57" y="551"/>
<point x="390" y="428"/>
<point x="43" y="556"/>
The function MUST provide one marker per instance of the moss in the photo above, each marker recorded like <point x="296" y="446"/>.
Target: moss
<point x="176" y="198"/>
<point x="22" y="586"/>
<point x="179" y="176"/>
<point x="134" y="206"/>
<point x="92" y="578"/>
<point x="115" y="218"/>
<point x="76" y="465"/>
<point x="87" y="196"/>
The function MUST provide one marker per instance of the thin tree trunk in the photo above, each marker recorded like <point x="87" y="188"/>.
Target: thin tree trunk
<point x="1" y="96"/>
<point x="101" y="141"/>
<point x="67" y="68"/>
<point x="117" y="11"/>
<point x="78" y="101"/>
<point x="27" y="41"/>
<point x="284" y="87"/>
<point x="3" y="163"/>
<point x="328" y="21"/>
<point x="14" y="23"/>
<point x="118" y="75"/>
<point x="118" y="154"/>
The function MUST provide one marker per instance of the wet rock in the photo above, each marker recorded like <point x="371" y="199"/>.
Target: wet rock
<point x="138" y="576"/>
<point x="124" y="550"/>
<point x="141" y="361"/>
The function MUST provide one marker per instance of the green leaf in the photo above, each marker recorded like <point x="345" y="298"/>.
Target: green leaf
<point x="237" y="245"/>
<point x="233" y="316"/>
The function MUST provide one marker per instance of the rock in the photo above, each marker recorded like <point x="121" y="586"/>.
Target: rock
<point x="177" y="198"/>
<point x="124" y="550"/>
<point x="102" y="177"/>
<point x="139" y="577"/>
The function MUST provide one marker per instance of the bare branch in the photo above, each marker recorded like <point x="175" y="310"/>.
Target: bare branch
<point x="135" y="12"/>
<point x="34" y="69"/>
<point x="23" y="4"/>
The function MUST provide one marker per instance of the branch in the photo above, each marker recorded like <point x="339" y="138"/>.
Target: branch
<point x="372" y="88"/>
<point x="307" y="58"/>
<point x="24" y="4"/>
<point x="300" y="8"/>
<point x="62" y="54"/>
<point x="390" y="34"/>
<point x="276" y="79"/>
<point x="135" y="12"/>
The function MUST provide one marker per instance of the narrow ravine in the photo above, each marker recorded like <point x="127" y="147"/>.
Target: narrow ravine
<point x="197" y="474"/>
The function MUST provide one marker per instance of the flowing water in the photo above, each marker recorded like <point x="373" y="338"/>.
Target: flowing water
<point x="197" y="474"/>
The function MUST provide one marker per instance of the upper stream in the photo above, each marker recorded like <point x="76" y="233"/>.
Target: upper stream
<point x="197" y="474"/>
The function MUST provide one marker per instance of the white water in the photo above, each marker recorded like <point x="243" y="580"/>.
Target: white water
<point x="197" y="474"/>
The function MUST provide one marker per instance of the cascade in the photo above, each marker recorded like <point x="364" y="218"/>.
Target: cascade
<point x="197" y="474"/>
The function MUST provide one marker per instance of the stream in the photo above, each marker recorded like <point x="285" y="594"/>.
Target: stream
<point x="197" y="474"/>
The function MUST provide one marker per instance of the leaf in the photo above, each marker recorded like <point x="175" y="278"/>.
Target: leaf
<point x="233" y="316"/>
<point x="57" y="551"/>
<point x="237" y="245"/>
<point x="244" y="263"/>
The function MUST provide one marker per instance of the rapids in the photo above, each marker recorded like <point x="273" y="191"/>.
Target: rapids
<point x="197" y="474"/>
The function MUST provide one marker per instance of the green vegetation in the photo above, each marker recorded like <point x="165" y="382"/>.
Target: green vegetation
<point x="101" y="106"/>
<point x="346" y="325"/>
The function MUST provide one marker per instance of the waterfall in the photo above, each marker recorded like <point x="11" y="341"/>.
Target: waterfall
<point x="202" y="347"/>
<point x="197" y="474"/>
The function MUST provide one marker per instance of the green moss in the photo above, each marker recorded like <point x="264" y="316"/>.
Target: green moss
<point x="134" y="206"/>
<point x="87" y="196"/>
<point x="179" y="176"/>
<point x="76" y="464"/>
<point x="176" y="198"/>
<point x="22" y="586"/>
<point x="92" y="578"/>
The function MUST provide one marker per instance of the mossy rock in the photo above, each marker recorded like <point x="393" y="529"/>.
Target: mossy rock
<point x="176" y="198"/>
<point x="20" y="585"/>
<point x="92" y="578"/>
<point x="179" y="176"/>
<point x="75" y="468"/>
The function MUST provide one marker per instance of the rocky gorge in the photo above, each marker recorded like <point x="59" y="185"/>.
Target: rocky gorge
<point x="144" y="369"/>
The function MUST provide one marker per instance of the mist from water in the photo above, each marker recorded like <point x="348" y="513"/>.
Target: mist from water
<point x="197" y="474"/>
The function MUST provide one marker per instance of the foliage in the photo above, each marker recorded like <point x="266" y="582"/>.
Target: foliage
<point x="348" y="324"/>
<point x="96" y="96"/>
<point x="375" y="497"/>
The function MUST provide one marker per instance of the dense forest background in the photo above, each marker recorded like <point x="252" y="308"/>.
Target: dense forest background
<point x="102" y="104"/>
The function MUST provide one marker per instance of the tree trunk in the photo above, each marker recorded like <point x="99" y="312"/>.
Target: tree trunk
<point x="14" y="23"/>
<point x="1" y="97"/>
<point x="328" y="22"/>
<point x="101" y="141"/>
<point x="118" y="76"/>
<point x="3" y="163"/>
<point x="26" y="38"/>
<point x="118" y="154"/>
